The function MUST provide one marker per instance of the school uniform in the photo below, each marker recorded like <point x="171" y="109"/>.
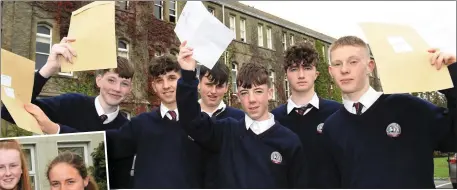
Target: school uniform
<point x="307" y="121"/>
<point x="166" y="158"/>
<point x="80" y="113"/>
<point x="253" y="154"/>
<point x="222" y="111"/>
<point x="387" y="141"/>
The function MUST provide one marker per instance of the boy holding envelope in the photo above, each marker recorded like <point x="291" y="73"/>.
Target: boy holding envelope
<point x="73" y="112"/>
<point x="256" y="151"/>
<point x="378" y="140"/>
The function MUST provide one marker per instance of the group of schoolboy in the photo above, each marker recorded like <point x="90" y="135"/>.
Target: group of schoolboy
<point x="371" y="140"/>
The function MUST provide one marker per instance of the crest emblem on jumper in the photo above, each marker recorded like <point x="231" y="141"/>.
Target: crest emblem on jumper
<point x="276" y="157"/>
<point x="393" y="130"/>
<point x="320" y="127"/>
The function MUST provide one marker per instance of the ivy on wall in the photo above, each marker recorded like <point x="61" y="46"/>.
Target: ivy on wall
<point x="324" y="85"/>
<point x="148" y="36"/>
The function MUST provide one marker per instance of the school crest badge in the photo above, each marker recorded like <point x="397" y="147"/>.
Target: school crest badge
<point x="320" y="127"/>
<point x="276" y="157"/>
<point x="393" y="130"/>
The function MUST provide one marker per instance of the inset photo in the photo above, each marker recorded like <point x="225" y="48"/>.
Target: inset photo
<point x="68" y="161"/>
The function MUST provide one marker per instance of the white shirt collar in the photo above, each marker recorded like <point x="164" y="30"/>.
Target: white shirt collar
<point x="258" y="127"/>
<point x="164" y="112"/>
<point x="222" y="106"/>
<point x="291" y="104"/>
<point x="100" y="111"/>
<point x="367" y="100"/>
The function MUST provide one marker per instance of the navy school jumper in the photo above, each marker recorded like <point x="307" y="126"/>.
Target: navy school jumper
<point x="165" y="156"/>
<point x="213" y="160"/>
<point x="76" y="113"/>
<point x="390" y="145"/>
<point x="307" y="127"/>
<point x="247" y="160"/>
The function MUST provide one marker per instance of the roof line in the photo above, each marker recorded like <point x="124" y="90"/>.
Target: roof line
<point x="285" y="23"/>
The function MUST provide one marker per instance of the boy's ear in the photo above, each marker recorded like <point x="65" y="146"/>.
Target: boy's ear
<point x="97" y="80"/>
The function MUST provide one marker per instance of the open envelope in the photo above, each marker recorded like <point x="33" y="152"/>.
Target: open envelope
<point x="16" y="108"/>
<point x="93" y="27"/>
<point x="402" y="59"/>
<point x="18" y="73"/>
<point x="203" y="32"/>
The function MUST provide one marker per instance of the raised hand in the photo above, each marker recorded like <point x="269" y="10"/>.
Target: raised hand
<point x="185" y="59"/>
<point x="53" y="63"/>
<point x="46" y="125"/>
<point x="439" y="58"/>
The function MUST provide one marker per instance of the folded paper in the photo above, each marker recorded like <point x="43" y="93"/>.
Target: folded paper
<point x="16" y="108"/>
<point x="402" y="59"/>
<point x="203" y="32"/>
<point x="18" y="73"/>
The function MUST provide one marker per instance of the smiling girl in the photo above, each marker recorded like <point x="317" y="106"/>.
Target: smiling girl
<point x="68" y="172"/>
<point x="14" y="174"/>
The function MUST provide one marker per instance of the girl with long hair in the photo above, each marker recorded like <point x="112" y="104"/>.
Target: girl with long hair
<point x="14" y="173"/>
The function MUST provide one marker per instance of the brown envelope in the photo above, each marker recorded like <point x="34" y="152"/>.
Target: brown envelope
<point x="16" y="108"/>
<point x="18" y="72"/>
<point x="93" y="27"/>
<point x="402" y="59"/>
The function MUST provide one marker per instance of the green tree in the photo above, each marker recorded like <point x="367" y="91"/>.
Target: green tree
<point x="98" y="171"/>
<point x="324" y="86"/>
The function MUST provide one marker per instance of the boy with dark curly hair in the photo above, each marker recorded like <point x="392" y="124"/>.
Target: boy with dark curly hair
<point x="304" y="113"/>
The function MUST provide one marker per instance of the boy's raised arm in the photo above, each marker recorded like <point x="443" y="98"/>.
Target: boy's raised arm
<point x="198" y="125"/>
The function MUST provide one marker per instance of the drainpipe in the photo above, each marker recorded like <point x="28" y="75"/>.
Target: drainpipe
<point x="223" y="21"/>
<point x="229" y="101"/>
<point x="223" y="14"/>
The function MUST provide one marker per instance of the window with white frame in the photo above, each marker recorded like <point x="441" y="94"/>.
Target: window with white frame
<point x="286" y="87"/>
<point x="269" y="40"/>
<point x="284" y="41"/>
<point x="123" y="49"/>
<point x="292" y="41"/>
<point x="234" y="73"/>
<point x="260" y="35"/>
<point x="76" y="147"/>
<point x="173" y="8"/>
<point x="158" y="53"/>
<point x="122" y="4"/>
<point x="125" y="113"/>
<point x="158" y="9"/>
<point x="43" y="45"/>
<point x="29" y="153"/>
<point x="233" y="24"/>
<point x="211" y="10"/>
<point x="272" y="79"/>
<point x="243" y="30"/>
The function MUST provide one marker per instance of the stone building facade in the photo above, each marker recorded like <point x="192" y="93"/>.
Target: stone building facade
<point x="30" y="31"/>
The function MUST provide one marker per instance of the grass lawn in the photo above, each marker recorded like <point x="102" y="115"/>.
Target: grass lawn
<point x="441" y="167"/>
